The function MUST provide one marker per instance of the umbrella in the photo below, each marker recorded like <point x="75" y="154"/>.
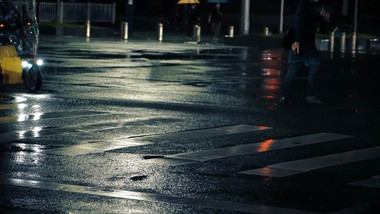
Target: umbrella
<point x="188" y="2"/>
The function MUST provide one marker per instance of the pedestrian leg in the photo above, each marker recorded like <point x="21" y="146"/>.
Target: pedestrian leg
<point x="311" y="79"/>
<point x="289" y="79"/>
<point x="310" y="98"/>
<point x="217" y="31"/>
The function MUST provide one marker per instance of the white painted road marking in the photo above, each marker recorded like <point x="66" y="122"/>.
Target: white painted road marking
<point x="268" y="145"/>
<point x="49" y="115"/>
<point x="152" y="197"/>
<point x="371" y="182"/>
<point x="300" y="166"/>
<point x="89" y="148"/>
<point x="203" y="133"/>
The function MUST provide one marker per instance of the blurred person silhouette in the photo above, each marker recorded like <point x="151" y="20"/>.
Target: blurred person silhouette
<point x="193" y="18"/>
<point x="215" y="18"/>
<point x="303" y="51"/>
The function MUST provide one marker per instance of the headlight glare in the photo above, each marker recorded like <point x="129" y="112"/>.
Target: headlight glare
<point x="40" y="62"/>
<point x="24" y="64"/>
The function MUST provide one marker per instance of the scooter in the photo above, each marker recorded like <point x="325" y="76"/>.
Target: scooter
<point x="18" y="62"/>
<point x="17" y="70"/>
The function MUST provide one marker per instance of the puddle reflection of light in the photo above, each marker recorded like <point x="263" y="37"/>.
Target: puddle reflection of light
<point x="266" y="56"/>
<point x="22" y="117"/>
<point x="20" y="99"/>
<point x="270" y="97"/>
<point x="36" y="131"/>
<point x="272" y="84"/>
<point x="266" y="171"/>
<point x="261" y="128"/>
<point x="31" y="147"/>
<point x="264" y="146"/>
<point x="37" y="116"/>
<point x="353" y="54"/>
<point x="37" y="96"/>
<point x="20" y="157"/>
<point x="245" y="53"/>
<point x="21" y="134"/>
<point x="21" y="106"/>
<point x="271" y="72"/>
<point x="27" y="158"/>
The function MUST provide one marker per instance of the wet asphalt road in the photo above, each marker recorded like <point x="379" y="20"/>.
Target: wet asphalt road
<point x="147" y="127"/>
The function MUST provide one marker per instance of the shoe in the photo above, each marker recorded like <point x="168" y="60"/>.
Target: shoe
<point x="313" y="100"/>
<point x="285" y="100"/>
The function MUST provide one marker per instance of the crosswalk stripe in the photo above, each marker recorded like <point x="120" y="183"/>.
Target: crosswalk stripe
<point x="371" y="182"/>
<point x="265" y="146"/>
<point x="50" y="115"/>
<point x="152" y="197"/>
<point x="203" y="133"/>
<point x="90" y="148"/>
<point x="300" y="166"/>
<point x="37" y="132"/>
<point x="268" y="145"/>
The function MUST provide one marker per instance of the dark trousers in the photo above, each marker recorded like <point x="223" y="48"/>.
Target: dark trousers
<point x="291" y="75"/>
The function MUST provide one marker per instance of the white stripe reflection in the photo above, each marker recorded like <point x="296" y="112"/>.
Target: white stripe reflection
<point x="305" y="165"/>
<point x="152" y="197"/>
<point x="371" y="182"/>
<point x="265" y="146"/>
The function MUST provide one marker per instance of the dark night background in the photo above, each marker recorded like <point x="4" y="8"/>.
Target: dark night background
<point x="147" y="13"/>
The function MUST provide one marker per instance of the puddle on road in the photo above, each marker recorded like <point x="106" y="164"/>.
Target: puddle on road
<point x="257" y="75"/>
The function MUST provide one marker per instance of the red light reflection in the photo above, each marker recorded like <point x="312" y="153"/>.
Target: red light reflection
<point x="264" y="146"/>
<point x="272" y="84"/>
<point x="271" y="72"/>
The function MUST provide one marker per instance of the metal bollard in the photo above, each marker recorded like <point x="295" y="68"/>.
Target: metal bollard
<point x="88" y="28"/>
<point x="266" y="31"/>
<point x="231" y="32"/>
<point x="197" y="33"/>
<point x="124" y="30"/>
<point x="332" y="38"/>
<point x="160" y="31"/>
<point x="354" y="41"/>
<point x="343" y="42"/>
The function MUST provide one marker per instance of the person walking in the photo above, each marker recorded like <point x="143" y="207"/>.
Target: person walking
<point x="303" y="51"/>
<point x="215" y="18"/>
<point x="193" y="18"/>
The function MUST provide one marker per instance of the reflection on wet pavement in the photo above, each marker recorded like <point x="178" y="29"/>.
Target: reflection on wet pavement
<point x="257" y="75"/>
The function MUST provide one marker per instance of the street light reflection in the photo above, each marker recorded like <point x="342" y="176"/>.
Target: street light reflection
<point x="36" y="131"/>
<point x="28" y="154"/>
<point x="21" y="134"/>
<point x="265" y="146"/>
<point x="37" y="96"/>
<point x="271" y="84"/>
<point x="21" y="106"/>
<point x="266" y="56"/>
<point x="37" y="116"/>
<point x="20" y="99"/>
<point x="271" y="72"/>
<point x="22" y="117"/>
<point x="261" y="128"/>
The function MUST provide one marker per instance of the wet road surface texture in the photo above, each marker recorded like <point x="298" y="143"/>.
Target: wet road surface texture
<point x="147" y="127"/>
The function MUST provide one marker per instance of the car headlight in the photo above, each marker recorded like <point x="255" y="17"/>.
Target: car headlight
<point x="40" y="62"/>
<point x="24" y="64"/>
